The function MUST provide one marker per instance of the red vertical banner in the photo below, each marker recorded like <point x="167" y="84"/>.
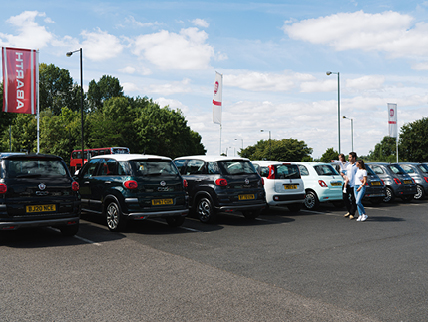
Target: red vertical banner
<point x="20" y="73"/>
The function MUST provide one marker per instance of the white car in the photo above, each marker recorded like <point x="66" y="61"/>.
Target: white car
<point x="322" y="184"/>
<point x="283" y="184"/>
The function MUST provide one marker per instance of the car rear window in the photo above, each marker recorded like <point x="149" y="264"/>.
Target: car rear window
<point x="26" y="168"/>
<point x="237" y="167"/>
<point x="287" y="171"/>
<point x="396" y="169"/>
<point x="423" y="168"/>
<point x="370" y="171"/>
<point x="325" y="170"/>
<point x="160" y="168"/>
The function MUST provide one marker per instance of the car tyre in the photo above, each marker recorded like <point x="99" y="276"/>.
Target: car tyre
<point x="389" y="195"/>
<point x="420" y="193"/>
<point x="205" y="211"/>
<point x="294" y="207"/>
<point x="114" y="218"/>
<point x="175" y="221"/>
<point x="311" y="200"/>
<point x="69" y="231"/>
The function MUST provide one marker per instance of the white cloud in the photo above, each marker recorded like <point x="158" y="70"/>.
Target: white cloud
<point x="130" y="87"/>
<point x="131" y="20"/>
<point x="370" y="82"/>
<point x="167" y="50"/>
<point x="31" y="34"/>
<point x="127" y="70"/>
<point x="256" y="81"/>
<point x="173" y="104"/>
<point x="171" y="88"/>
<point x="388" y="31"/>
<point x="200" y="23"/>
<point x="100" y="45"/>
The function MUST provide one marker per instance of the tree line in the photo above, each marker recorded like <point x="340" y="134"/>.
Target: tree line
<point x="110" y="119"/>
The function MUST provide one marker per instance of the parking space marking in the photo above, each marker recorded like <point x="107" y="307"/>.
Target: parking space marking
<point x="314" y="212"/>
<point x="87" y="240"/>
<point x="191" y="229"/>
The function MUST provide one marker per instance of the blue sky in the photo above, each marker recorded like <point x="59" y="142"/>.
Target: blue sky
<point x="273" y="56"/>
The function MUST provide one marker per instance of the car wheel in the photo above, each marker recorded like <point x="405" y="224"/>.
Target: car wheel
<point x="420" y="193"/>
<point x="175" y="221"/>
<point x="205" y="211"/>
<point x="251" y="215"/>
<point x="114" y="218"/>
<point x="294" y="207"/>
<point x="69" y="231"/>
<point x="407" y="198"/>
<point x="311" y="200"/>
<point x="376" y="200"/>
<point x="389" y="195"/>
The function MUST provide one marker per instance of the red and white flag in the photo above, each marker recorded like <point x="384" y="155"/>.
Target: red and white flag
<point x="218" y="86"/>
<point x="20" y="79"/>
<point x="392" y="120"/>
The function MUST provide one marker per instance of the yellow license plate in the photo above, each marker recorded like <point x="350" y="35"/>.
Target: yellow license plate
<point x="290" y="186"/>
<point x="376" y="183"/>
<point x="161" y="202"/>
<point x="246" y="197"/>
<point x="336" y="183"/>
<point x="408" y="181"/>
<point x="40" y="208"/>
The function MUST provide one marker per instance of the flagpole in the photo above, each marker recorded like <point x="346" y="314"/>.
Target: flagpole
<point x="37" y="101"/>
<point x="220" y="140"/>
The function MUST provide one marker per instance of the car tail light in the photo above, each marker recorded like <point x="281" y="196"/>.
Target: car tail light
<point x="3" y="188"/>
<point x="185" y="183"/>
<point x="131" y="184"/>
<point x="426" y="179"/>
<point x="221" y="182"/>
<point x="322" y="183"/>
<point x="263" y="182"/>
<point x="397" y="181"/>
<point x="75" y="186"/>
<point x="271" y="172"/>
<point x="413" y="181"/>
<point x="382" y="182"/>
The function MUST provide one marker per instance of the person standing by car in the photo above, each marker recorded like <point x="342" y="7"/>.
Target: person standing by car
<point x="348" y="194"/>
<point x="341" y="167"/>
<point x="360" y="189"/>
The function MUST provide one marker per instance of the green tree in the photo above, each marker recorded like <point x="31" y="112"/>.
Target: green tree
<point x="6" y="120"/>
<point x="278" y="150"/>
<point x="24" y="134"/>
<point x="99" y="92"/>
<point x="414" y="141"/>
<point x="329" y="154"/>
<point x="384" y="151"/>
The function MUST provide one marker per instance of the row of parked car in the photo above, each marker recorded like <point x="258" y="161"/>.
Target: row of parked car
<point x="38" y="190"/>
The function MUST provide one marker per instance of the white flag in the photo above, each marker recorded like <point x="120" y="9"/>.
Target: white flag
<point x="218" y="85"/>
<point x="392" y="120"/>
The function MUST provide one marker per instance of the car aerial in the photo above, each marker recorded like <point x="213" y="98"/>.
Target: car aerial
<point x="283" y="184"/>
<point x="397" y="182"/>
<point x="419" y="174"/>
<point x="322" y="184"/>
<point x="222" y="184"/>
<point x="125" y="187"/>
<point x="38" y="190"/>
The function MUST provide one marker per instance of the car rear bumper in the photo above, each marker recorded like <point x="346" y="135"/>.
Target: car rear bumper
<point x="287" y="199"/>
<point x="13" y="225"/>
<point x="157" y="214"/>
<point x="232" y="208"/>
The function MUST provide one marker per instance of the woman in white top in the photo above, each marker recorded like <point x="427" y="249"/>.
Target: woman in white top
<point x="360" y="180"/>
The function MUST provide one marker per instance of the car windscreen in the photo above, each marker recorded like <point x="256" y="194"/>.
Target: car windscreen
<point x="26" y="168"/>
<point x="237" y="167"/>
<point x="325" y="170"/>
<point x="423" y="168"/>
<point x="396" y="169"/>
<point x="159" y="168"/>
<point x="287" y="171"/>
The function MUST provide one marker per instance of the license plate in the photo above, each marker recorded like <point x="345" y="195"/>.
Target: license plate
<point x="40" y="208"/>
<point x="161" y="202"/>
<point x="336" y="183"/>
<point x="376" y="183"/>
<point x="246" y="197"/>
<point x="408" y="181"/>
<point x="290" y="186"/>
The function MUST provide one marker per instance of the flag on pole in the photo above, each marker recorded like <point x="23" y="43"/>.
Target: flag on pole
<point x="20" y="80"/>
<point x="218" y="86"/>
<point x="392" y="120"/>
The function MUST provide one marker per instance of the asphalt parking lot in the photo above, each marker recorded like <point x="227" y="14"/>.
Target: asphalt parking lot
<point x="284" y="266"/>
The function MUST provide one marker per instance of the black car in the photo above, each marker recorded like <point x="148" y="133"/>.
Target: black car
<point x="125" y="187"/>
<point x="38" y="190"/>
<point x="375" y="189"/>
<point x="222" y="184"/>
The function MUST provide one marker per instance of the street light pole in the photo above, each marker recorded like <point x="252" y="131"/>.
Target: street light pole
<point x="81" y="102"/>
<point x="352" y="131"/>
<point x="269" y="143"/>
<point x="338" y="104"/>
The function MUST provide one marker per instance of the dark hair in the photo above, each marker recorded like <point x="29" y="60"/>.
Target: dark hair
<point x="361" y="162"/>
<point x="353" y="154"/>
<point x="341" y="155"/>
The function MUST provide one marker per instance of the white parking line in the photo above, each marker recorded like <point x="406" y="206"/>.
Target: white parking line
<point x="191" y="229"/>
<point x="87" y="240"/>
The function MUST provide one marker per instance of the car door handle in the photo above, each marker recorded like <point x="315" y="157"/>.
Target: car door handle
<point x="86" y="182"/>
<point x="108" y="182"/>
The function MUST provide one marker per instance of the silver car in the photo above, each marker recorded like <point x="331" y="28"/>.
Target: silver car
<point x="397" y="182"/>
<point x="419" y="173"/>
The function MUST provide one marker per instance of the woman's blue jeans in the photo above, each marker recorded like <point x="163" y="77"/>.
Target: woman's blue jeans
<point x="359" y="198"/>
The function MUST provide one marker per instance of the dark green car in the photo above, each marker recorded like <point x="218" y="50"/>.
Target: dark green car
<point x="125" y="187"/>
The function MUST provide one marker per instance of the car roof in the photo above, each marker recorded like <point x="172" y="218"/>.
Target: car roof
<point x="212" y="158"/>
<point x="130" y="157"/>
<point x="265" y="163"/>
<point x="313" y="163"/>
<point x="16" y="155"/>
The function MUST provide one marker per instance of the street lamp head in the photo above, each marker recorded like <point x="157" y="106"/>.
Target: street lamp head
<point x="69" y="54"/>
<point x="344" y="116"/>
<point x="328" y="73"/>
